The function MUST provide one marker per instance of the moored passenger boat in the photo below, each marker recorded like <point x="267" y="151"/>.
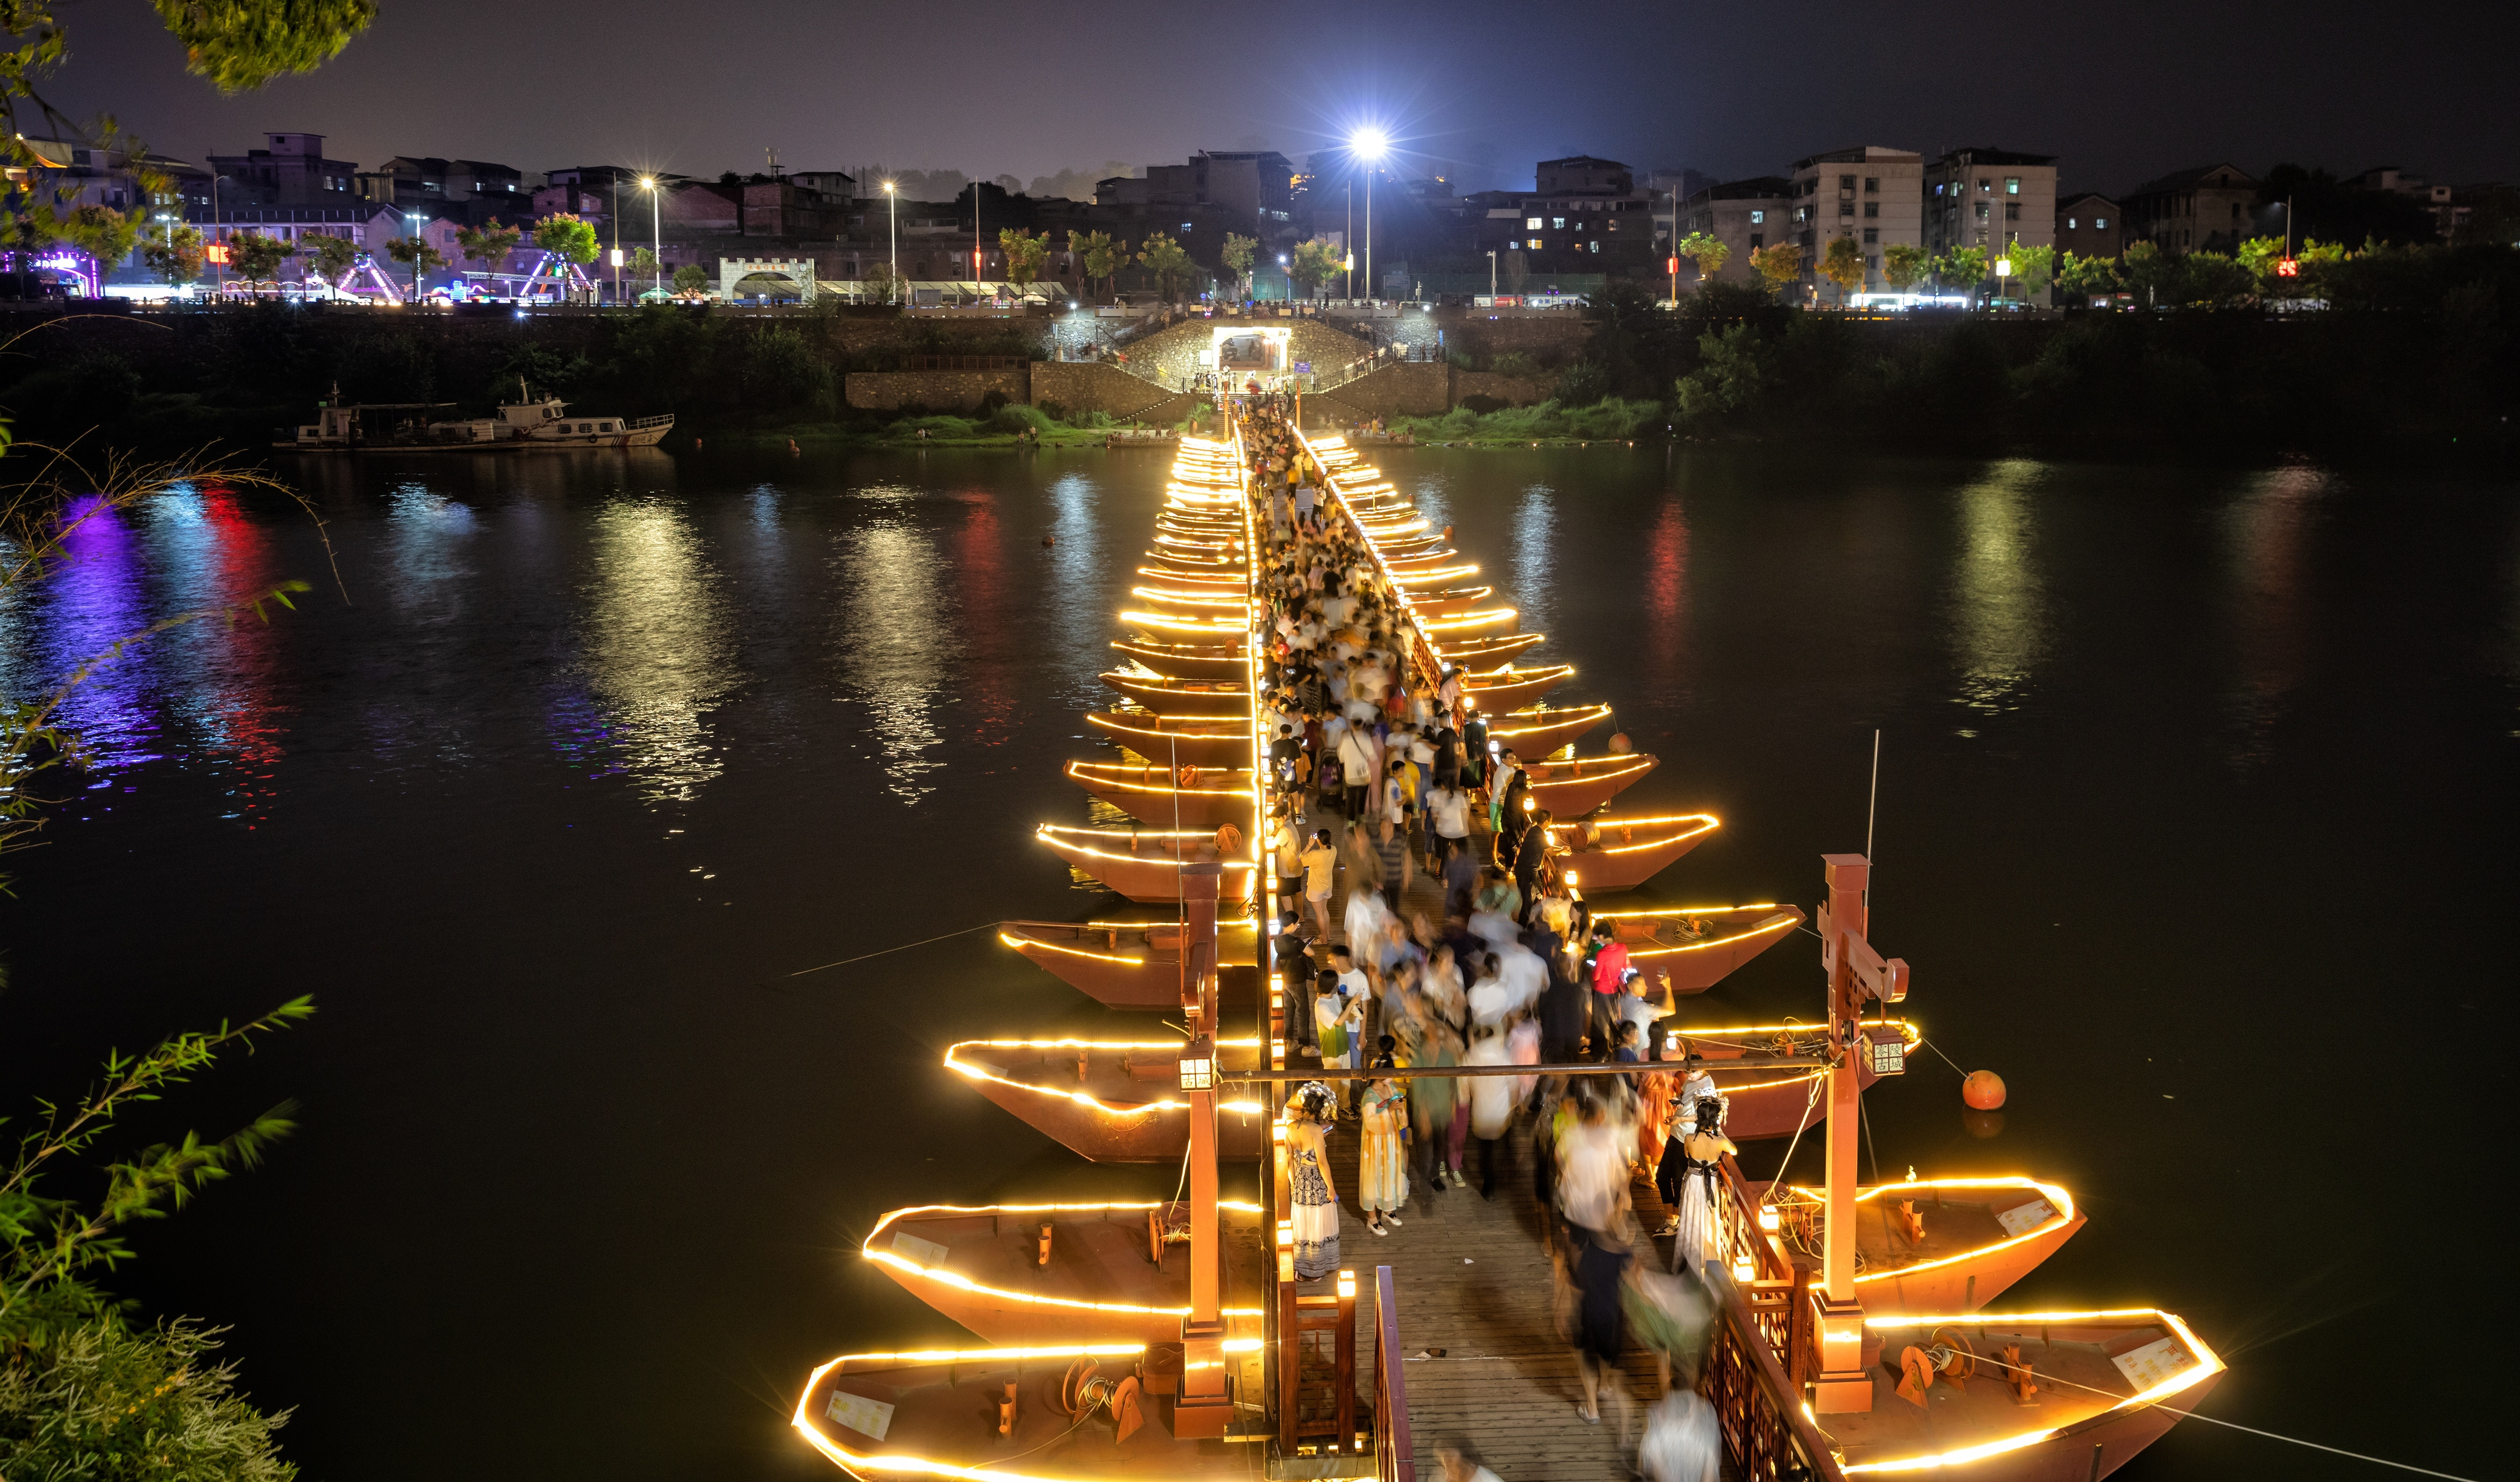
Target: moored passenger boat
<point x="1695" y="947"/>
<point x="1142" y="863"/>
<point x="1620" y="852"/>
<point x="1163" y="798"/>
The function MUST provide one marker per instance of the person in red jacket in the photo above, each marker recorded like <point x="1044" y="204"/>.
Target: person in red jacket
<point x="1609" y="969"/>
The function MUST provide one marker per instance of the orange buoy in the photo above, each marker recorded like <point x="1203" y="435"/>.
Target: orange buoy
<point x="1983" y="1090"/>
<point x="1049" y="540"/>
<point x="1620" y="743"/>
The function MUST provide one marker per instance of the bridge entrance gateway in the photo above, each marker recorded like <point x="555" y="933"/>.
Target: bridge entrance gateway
<point x="798" y="272"/>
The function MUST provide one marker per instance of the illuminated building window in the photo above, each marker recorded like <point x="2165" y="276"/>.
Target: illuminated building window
<point x="1535" y="243"/>
<point x="2012" y="185"/>
<point x="1596" y="243"/>
<point x="2100" y="223"/>
<point x="1531" y="223"/>
<point x="1981" y="210"/>
<point x="1758" y="216"/>
<point x="1557" y="223"/>
<point x="2069" y="223"/>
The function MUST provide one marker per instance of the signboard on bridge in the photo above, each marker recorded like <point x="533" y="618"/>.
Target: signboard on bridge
<point x="1304" y="367"/>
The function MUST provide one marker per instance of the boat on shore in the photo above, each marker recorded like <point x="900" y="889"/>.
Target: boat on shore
<point x="1927" y="1245"/>
<point x="527" y="423"/>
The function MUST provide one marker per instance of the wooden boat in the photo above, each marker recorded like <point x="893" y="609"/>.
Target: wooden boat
<point x="1696" y="946"/>
<point x="1205" y="566"/>
<point x="1178" y="740"/>
<point x="1158" y="797"/>
<point x="1229" y="581"/>
<point x="1473" y="622"/>
<point x="1507" y="689"/>
<point x="1540" y="730"/>
<point x="1470" y="653"/>
<point x="1181" y="627"/>
<point x="1208" y="603"/>
<point x="1571" y="786"/>
<point x="934" y="1412"/>
<point x="1167" y="696"/>
<point x="1929" y="1245"/>
<point x="1188" y="660"/>
<point x="1774" y="1103"/>
<point x="1111" y="1101"/>
<point x="1029" y="1274"/>
<point x="1429" y="577"/>
<point x="1135" y="964"/>
<point x="2108" y="1385"/>
<point x="1447" y="600"/>
<point x="1142" y="863"/>
<point x="1620" y="853"/>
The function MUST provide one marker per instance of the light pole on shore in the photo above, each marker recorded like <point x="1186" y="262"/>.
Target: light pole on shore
<point x="656" y="230"/>
<point x="892" y="197"/>
<point x="1367" y="146"/>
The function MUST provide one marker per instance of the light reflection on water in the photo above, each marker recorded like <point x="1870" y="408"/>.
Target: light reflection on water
<point x="895" y="637"/>
<point x="2265" y="531"/>
<point x="657" y="652"/>
<point x="97" y="597"/>
<point x="1531" y="585"/>
<point x="1998" y="619"/>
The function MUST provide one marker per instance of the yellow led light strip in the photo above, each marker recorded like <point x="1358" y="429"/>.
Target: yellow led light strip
<point x="939" y="1273"/>
<point x="1117" y="785"/>
<point x="1907" y="1027"/>
<point x="1764" y="928"/>
<point x="2208" y="1364"/>
<point x="1604" y="915"/>
<point x="1020" y="943"/>
<point x="1080" y="1097"/>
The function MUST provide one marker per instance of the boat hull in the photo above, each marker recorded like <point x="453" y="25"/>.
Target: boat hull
<point x="1576" y="787"/>
<point x="1607" y="854"/>
<point x="1693" y="966"/>
<point x="1218" y="746"/>
<point x="1143" y="867"/>
<point x="1211" y="661"/>
<point x="1534" y="734"/>
<point x="1151" y="795"/>
<point x="1511" y="691"/>
<point x="1115" y="1112"/>
<point x="1170" y="696"/>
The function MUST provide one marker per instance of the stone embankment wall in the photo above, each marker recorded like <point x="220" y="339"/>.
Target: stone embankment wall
<point x="932" y="390"/>
<point x="1513" y="391"/>
<point x="1412" y="388"/>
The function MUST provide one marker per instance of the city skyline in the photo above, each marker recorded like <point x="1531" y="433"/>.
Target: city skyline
<point x="1729" y="96"/>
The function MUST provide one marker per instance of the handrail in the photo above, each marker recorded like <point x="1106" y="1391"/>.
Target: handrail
<point x="1395" y="1453"/>
<point x="1756" y="1404"/>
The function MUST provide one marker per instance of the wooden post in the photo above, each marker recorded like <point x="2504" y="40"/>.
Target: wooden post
<point x="1347" y="1361"/>
<point x="1842" y="1385"/>
<point x="1205" y="1409"/>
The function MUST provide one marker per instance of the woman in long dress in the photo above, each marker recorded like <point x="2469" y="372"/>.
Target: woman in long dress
<point x="1382" y="1166"/>
<point x="1308" y="1182"/>
<point x="1703" y="1146"/>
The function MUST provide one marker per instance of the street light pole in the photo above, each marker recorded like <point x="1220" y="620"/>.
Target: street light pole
<point x="617" y="237"/>
<point x="892" y="197"/>
<point x="1371" y="293"/>
<point x="656" y="230"/>
<point x="1349" y="240"/>
<point x="420" y="243"/>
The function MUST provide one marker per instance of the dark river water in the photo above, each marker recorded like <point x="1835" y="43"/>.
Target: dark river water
<point x="2195" y="822"/>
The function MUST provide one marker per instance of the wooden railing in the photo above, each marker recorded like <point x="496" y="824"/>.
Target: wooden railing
<point x="1395" y="1453"/>
<point x="1757" y="1404"/>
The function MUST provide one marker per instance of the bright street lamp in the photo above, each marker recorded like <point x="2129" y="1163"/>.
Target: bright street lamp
<point x="1367" y="145"/>
<point x="656" y="230"/>
<point x="892" y="197"/>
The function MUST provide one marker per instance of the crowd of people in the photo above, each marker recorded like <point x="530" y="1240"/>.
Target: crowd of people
<point x="1381" y="769"/>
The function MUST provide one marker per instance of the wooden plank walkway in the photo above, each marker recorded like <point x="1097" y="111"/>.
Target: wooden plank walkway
<point x="1487" y="1368"/>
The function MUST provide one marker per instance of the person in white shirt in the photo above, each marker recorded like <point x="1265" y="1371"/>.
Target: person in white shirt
<point x="1491" y="1100"/>
<point x="1449" y="809"/>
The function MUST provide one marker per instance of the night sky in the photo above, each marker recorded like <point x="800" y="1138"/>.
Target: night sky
<point x="1478" y="90"/>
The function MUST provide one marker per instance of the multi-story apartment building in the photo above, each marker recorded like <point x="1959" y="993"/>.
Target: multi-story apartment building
<point x="1584" y="216"/>
<point x="427" y="183"/>
<point x="1871" y="194"/>
<point x="1742" y="214"/>
<point x="292" y="171"/>
<point x="2194" y="210"/>
<point x="2448" y="211"/>
<point x="2089" y="225"/>
<point x="1992" y="199"/>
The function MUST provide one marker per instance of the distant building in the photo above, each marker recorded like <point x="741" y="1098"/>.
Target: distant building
<point x="2090" y="225"/>
<point x="76" y="174"/>
<point x="1585" y="216"/>
<point x="425" y="183"/>
<point x="1992" y="199"/>
<point x="366" y="225"/>
<point x="1742" y="214"/>
<point x="2448" y="211"/>
<point x="832" y="184"/>
<point x="2192" y="210"/>
<point x="1252" y="190"/>
<point x="292" y="171"/>
<point x="1869" y="193"/>
<point x="781" y="207"/>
